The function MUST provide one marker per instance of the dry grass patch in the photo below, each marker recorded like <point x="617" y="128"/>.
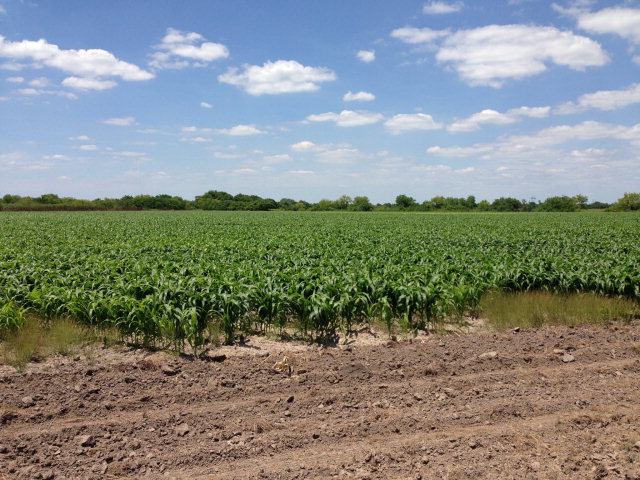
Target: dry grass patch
<point x="38" y="339"/>
<point x="540" y="308"/>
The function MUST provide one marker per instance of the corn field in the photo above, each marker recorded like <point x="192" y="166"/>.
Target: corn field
<point x="181" y="278"/>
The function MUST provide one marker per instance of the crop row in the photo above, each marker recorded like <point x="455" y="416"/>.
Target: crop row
<point x="175" y="277"/>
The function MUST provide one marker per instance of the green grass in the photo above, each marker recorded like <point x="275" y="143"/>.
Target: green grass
<point x="541" y="308"/>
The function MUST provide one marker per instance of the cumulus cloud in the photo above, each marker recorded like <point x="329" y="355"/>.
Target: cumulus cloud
<point x="91" y="64"/>
<point x="21" y="161"/>
<point x="120" y="121"/>
<point x="15" y="79"/>
<point x="88" y="148"/>
<point x="406" y="122"/>
<point x="129" y="154"/>
<point x="273" y="78"/>
<point x="367" y="56"/>
<point x="491" y="55"/>
<point x="240" y="130"/>
<point x="459" y="152"/>
<point x="181" y="49"/>
<point x="305" y="146"/>
<point x="300" y="172"/>
<point x="347" y="118"/>
<point x="358" y="97"/>
<point x="339" y="156"/>
<point x="418" y="35"/>
<point x="603" y="100"/>
<point x="280" y="158"/>
<point x="492" y="117"/>
<point x="40" y="91"/>
<point x="539" y="143"/>
<point x="621" y="21"/>
<point x="86" y="83"/>
<point x="439" y="8"/>
<point x="39" y="82"/>
<point x="205" y="105"/>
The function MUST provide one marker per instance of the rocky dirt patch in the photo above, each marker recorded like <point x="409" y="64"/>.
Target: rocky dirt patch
<point x="554" y="403"/>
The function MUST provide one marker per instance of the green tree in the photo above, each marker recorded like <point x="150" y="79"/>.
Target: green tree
<point x="404" y="201"/>
<point x="342" y="203"/>
<point x="628" y="202"/>
<point x="581" y="201"/>
<point x="558" y="204"/>
<point x="483" y="206"/>
<point x="361" y="204"/>
<point x="48" y="199"/>
<point x="506" y="204"/>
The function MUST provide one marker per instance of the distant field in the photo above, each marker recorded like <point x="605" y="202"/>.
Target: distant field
<point x="171" y="277"/>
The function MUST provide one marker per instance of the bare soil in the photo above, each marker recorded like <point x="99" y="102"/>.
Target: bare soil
<point x="553" y="403"/>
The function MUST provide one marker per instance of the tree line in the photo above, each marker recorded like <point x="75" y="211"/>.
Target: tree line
<point x="219" y="200"/>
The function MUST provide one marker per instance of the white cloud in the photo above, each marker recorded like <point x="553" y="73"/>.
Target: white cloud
<point x="493" y="117"/>
<point x="281" y="158"/>
<point x="465" y="170"/>
<point x="39" y="82"/>
<point x="88" y="148"/>
<point x="129" y="154"/>
<point x="367" y="56"/>
<point x="15" y="79"/>
<point x="438" y="8"/>
<point x="80" y="138"/>
<point x="305" y="146"/>
<point x="300" y="172"/>
<point x="240" y="130"/>
<point x="245" y="171"/>
<point x="87" y="83"/>
<point x="87" y="63"/>
<point x="459" y="152"/>
<point x="120" y="121"/>
<point x="537" y="145"/>
<point x="282" y="76"/>
<point x="431" y="168"/>
<point x="418" y="35"/>
<point x="358" y="97"/>
<point x="347" y="118"/>
<point x="205" y="105"/>
<point x="180" y="50"/>
<point x="20" y="161"/>
<point x="39" y="91"/>
<point x="339" y="156"/>
<point x="56" y="156"/>
<point x="195" y="139"/>
<point x="603" y="100"/>
<point x="616" y="20"/>
<point x="492" y="54"/>
<point x="406" y="122"/>
<point x="12" y="66"/>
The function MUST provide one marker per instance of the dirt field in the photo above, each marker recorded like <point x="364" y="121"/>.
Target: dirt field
<point x="534" y="404"/>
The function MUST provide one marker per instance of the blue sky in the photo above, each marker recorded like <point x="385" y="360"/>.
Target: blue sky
<point x="315" y="99"/>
